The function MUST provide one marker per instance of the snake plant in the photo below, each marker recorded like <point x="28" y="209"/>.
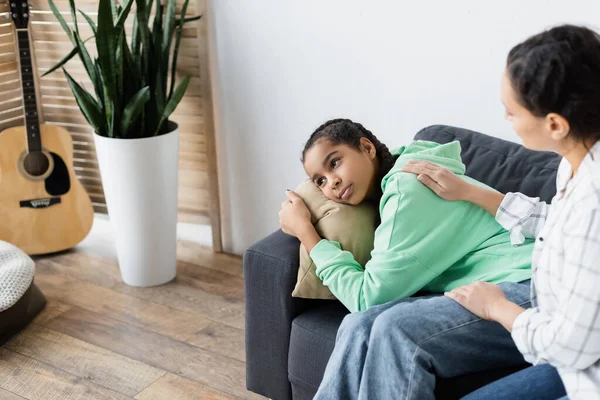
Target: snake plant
<point x="131" y="95"/>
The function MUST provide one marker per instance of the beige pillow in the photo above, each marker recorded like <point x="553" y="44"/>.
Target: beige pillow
<point x="352" y="226"/>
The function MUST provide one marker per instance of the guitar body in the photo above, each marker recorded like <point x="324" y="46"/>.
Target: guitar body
<point x="45" y="212"/>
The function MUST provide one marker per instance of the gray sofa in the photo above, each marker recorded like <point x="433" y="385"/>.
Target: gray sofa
<point x="290" y="340"/>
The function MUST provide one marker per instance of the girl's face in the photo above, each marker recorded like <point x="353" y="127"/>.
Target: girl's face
<point x="344" y="174"/>
<point x="537" y="133"/>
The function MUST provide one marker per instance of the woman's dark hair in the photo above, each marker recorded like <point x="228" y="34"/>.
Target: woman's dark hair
<point x="558" y="71"/>
<point x="348" y="132"/>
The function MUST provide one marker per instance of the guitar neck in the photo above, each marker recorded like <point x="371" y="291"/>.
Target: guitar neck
<point x="34" y="141"/>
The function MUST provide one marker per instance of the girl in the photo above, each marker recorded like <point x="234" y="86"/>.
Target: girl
<point x="551" y="92"/>
<point x="397" y="345"/>
<point x="422" y="242"/>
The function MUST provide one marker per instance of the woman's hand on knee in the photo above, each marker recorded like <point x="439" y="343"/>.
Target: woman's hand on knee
<point x="481" y="298"/>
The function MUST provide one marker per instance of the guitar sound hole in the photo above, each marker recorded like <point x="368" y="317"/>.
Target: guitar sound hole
<point x="36" y="163"/>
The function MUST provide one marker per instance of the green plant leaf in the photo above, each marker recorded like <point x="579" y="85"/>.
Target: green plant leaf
<point x="108" y="103"/>
<point x="157" y="28"/>
<point x="123" y="15"/>
<point x="177" y="44"/>
<point x="119" y="61"/>
<point x="66" y="59"/>
<point x="114" y="10"/>
<point x="87" y="62"/>
<point x="160" y="95"/>
<point x="190" y="19"/>
<point x="162" y="60"/>
<point x="168" y="30"/>
<point x="61" y="20"/>
<point x="105" y="44"/>
<point x="74" y="15"/>
<point x="130" y="67"/>
<point x="135" y="39"/>
<point x="87" y="104"/>
<point x="99" y="76"/>
<point x="90" y="22"/>
<point x="142" y="14"/>
<point x="133" y="109"/>
<point x="173" y="103"/>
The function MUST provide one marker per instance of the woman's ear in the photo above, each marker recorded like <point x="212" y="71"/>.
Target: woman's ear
<point x="368" y="147"/>
<point x="557" y="126"/>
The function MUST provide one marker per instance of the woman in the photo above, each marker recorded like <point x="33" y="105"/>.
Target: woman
<point x="551" y="92"/>
<point x="395" y="350"/>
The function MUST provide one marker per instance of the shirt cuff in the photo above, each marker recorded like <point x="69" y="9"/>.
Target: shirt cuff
<point x="512" y="213"/>
<point x="519" y="333"/>
<point x="323" y="251"/>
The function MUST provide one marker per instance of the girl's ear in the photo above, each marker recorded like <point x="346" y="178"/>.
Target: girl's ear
<point x="368" y="147"/>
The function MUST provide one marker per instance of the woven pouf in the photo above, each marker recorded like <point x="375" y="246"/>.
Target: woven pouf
<point x="20" y="299"/>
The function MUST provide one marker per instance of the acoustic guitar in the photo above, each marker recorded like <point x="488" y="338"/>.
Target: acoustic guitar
<point x="43" y="206"/>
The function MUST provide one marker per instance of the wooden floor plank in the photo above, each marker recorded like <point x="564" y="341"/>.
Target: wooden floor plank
<point x="210" y="280"/>
<point x="132" y="310"/>
<point x="177" y="388"/>
<point x="34" y="380"/>
<point x="76" y="265"/>
<point x="84" y="360"/>
<point x="194" y="296"/>
<point x="222" y="339"/>
<point x="6" y="395"/>
<point x="195" y="254"/>
<point x="98" y="338"/>
<point x="52" y="309"/>
<point x="186" y="360"/>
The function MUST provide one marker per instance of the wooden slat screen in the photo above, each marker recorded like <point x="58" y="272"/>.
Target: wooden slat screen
<point x="58" y="107"/>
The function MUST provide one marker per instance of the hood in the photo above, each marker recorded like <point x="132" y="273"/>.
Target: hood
<point x="446" y="155"/>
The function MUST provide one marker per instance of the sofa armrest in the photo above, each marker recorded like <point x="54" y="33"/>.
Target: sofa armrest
<point x="270" y="274"/>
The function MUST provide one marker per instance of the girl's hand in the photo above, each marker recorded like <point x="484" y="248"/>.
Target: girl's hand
<point x="442" y="181"/>
<point x="294" y="216"/>
<point x="481" y="298"/>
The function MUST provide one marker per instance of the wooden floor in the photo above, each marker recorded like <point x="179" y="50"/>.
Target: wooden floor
<point x="98" y="338"/>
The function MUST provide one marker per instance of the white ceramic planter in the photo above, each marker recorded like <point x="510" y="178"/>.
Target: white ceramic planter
<point x="139" y="177"/>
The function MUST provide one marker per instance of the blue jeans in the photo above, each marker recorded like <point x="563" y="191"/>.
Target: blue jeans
<point x="396" y="350"/>
<point x="540" y="382"/>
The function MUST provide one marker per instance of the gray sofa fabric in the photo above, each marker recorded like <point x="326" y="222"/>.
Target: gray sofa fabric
<point x="290" y="340"/>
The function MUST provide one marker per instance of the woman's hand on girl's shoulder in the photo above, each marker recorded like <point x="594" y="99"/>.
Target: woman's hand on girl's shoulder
<point x="294" y="216"/>
<point x="440" y="180"/>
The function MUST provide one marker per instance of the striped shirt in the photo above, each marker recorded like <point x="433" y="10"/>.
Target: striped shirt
<point x="562" y="327"/>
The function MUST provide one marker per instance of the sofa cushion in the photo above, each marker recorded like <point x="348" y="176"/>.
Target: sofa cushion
<point x="311" y="343"/>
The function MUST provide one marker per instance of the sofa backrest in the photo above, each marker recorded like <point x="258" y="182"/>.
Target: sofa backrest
<point x="503" y="165"/>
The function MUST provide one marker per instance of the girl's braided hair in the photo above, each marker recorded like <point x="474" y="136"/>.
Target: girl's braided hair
<point x="348" y="132"/>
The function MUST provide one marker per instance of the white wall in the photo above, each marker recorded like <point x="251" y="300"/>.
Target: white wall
<point x="281" y="68"/>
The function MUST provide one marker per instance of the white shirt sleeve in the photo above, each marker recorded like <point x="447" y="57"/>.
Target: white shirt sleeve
<point x="569" y="336"/>
<point x="522" y="216"/>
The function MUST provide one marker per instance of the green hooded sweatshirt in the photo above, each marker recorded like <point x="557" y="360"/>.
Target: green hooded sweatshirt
<point x="423" y="242"/>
